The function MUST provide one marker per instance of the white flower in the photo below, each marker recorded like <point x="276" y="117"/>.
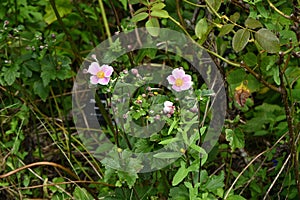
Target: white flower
<point x="168" y="107"/>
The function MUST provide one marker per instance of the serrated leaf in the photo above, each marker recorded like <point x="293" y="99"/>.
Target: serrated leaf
<point x="40" y="90"/>
<point x="11" y="73"/>
<point x="159" y="13"/>
<point x="252" y="23"/>
<point x="139" y="17"/>
<point x="180" y="174"/>
<point x="130" y="178"/>
<point x="227" y="28"/>
<point x="267" y="40"/>
<point x="235" y="138"/>
<point x="47" y="76"/>
<point x="240" y="39"/>
<point x="201" y="28"/>
<point x="152" y="26"/>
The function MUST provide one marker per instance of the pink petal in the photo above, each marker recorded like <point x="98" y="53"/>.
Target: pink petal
<point x="178" y="73"/>
<point x="176" y="88"/>
<point x="108" y="70"/>
<point x="103" y="81"/>
<point x="94" y="80"/>
<point x="94" y="68"/>
<point x="187" y="78"/>
<point x="171" y="79"/>
<point x="186" y="85"/>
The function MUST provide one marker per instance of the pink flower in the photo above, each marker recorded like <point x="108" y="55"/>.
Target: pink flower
<point x="101" y="74"/>
<point x="168" y="107"/>
<point x="179" y="80"/>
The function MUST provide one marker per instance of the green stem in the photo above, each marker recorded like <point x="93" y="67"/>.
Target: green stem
<point x="106" y="26"/>
<point x="69" y="37"/>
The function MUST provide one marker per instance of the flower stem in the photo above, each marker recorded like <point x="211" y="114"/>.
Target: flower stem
<point x="106" y="26"/>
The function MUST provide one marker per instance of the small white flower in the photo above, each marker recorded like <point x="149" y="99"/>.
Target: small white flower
<point x="168" y="107"/>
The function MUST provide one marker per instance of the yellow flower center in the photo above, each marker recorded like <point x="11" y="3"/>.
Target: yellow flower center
<point x="178" y="82"/>
<point x="100" y="74"/>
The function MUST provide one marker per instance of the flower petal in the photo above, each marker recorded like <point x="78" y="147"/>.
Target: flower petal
<point x="178" y="73"/>
<point x="171" y="79"/>
<point x="176" y="88"/>
<point x="186" y="86"/>
<point x="94" y="80"/>
<point x="94" y="68"/>
<point x="168" y="103"/>
<point x="104" y="81"/>
<point x="108" y="70"/>
<point x="187" y="78"/>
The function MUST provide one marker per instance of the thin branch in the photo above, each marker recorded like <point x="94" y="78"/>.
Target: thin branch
<point x="250" y="163"/>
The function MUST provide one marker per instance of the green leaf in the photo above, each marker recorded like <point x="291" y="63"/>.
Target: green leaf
<point x="235" y="17"/>
<point x="201" y="28"/>
<point x="250" y="59"/>
<point x="159" y="13"/>
<point x="47" y="76"/>
<point x="167" y="155"/>
<point x="240" y="39"/>
<point x="227" y="28"/>
<point x="130" y="178"/>
<point x="201" y="151"/>
<point x="41" y="90"/>
<point x="235" y="197"/>
<point x="215" y="4"/>
<point x="11" y="74"/>
<point x="215" y="182"/>
<point x="168" y="141"/>
<point x="81" y="194"/>
<point x="124" y="4"/>
<point x="235" y="138"/>
<point x="252" y="23"/>
<point x="267" y="40"/>
<point x="139" y="17"/>
<point x="180" y="174"/>
<point x="179" y="193"/>
<point x="276" y="77"/>
<point x="158" y="6"/>
<point x="63" y="7"/>
<point x="152" y="26"/>
<point x="174" y="123"/>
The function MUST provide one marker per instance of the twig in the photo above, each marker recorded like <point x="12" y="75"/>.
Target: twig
<point x="278" y="11"/>
<point x="178" y="13"/>
<point x="40" y="164"/>
<point x="249" y="164"/>
<point x="277" y="176"/>
<point x="289" y="117"/>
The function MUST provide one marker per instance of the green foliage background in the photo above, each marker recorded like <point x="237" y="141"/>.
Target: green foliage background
<point x="253" y="42"/>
